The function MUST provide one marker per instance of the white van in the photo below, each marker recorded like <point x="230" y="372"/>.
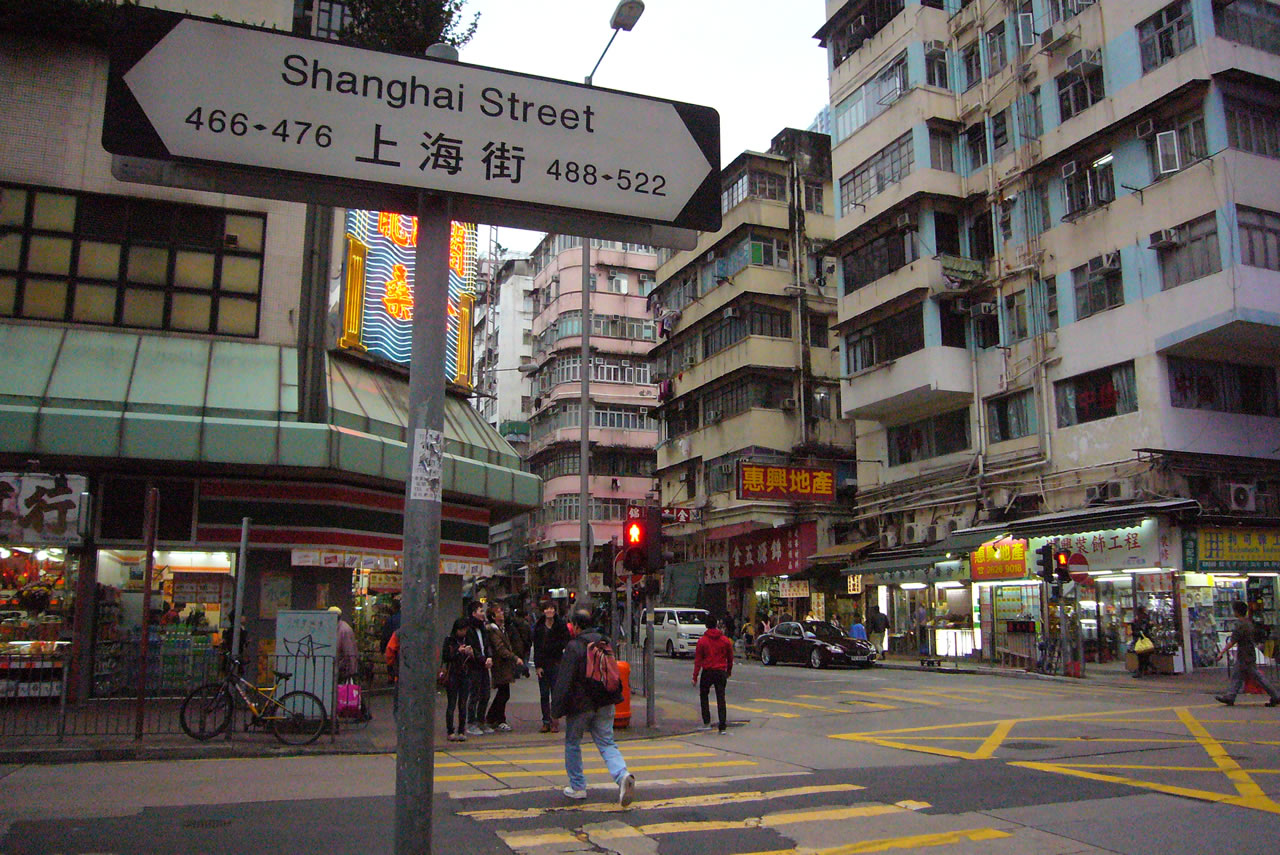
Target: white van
<point x="676" y="630"/>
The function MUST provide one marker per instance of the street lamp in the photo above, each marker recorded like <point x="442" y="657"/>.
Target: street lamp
<point x="624" y="18"/>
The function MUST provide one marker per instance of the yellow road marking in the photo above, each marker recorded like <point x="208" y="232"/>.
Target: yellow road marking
<point x="885" y="844"/>
<point x="800" y="704"/>
<point x="533" y="761"/>
<point x="870" y="704"/>
<point x="896" y="695"/>
<point x="988" y="747"/>
<point x="762" y="712"/>
<point x="527" y="840"/>
<point x="1161" y="768"/>
<point x="1244" y="785"/>
<point x="706" y="800"/>
<point x="498" y="774"/>
<point x="1262" y="804"/>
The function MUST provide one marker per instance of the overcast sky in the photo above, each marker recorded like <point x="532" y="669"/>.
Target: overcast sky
<point x="755" y="61"/>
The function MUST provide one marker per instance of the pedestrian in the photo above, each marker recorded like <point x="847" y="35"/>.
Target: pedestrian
<point x="481" y="662"/>
<point x="550" y="635"/>
<point x="348" y="655"/>
<point x="1141" y="628"/>
<point x="503" y="671"/>
<point x="713" y="657"/>
<point x="921" y="620"/>
<point x="729" y="627"/>
<point x="1244" y="638"/>
<point x="389" y="627"/>
<point x="878" y="626"/>
<point x="520" y="631"/>
<point x="587" y="708"/>
<point x="856" y="628"/>
<point x="455" y="661"/>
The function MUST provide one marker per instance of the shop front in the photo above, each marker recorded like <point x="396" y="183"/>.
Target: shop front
<point x="1224" y="565"/>
<point x="831" y="592"/>
<point x="1008" y="602"/>
<point x="927" y="601"/>
<point x="761" y="562"/>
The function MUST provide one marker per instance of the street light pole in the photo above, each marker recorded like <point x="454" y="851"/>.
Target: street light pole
<point x="624" y="18"/>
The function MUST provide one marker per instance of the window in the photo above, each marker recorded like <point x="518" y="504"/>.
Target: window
<point x="931" y="437"/>
<point x="1011" y="416"/>
<point x="975" y="144"/>
<point x="946" y="233"/>
<point x="1038" y="221"/>
<point x="1000" y="134"/>
<point x="1077" y="93"/>
<point x="1259" y="237"/>
<point x="936" y="72"/>
<point x="1223" y="387"/>
<point x="871" y="99"/>
<point x="1195" y="255"/>
<point x="331" y="18"/>
<point x="769" y="251"/>
<point x="891" y="338"/>
<point x="1176" y="144"/>
<point x="1063" y="10"/>
<point x="846" y="38"/>
<point x="885" y="168"/>
<point x="1015" y="317"/>
<point x="1255" y="23"/>
<point x="941" y="150"/>
<point x="740" y="396"/>
<point x="1096" y="395"/>
<point x="1086" y="186"/>
<point x="760" y="185"/>
<point x="1048" y="303"/>
<point x="746" y="320"/>
<point x="127" y="262"/>
<point x="997" y="54"/>
<point x="813" y="197"/>
<point x="971" y="63"/>
<point x="1253" y="128"/>
<point x="1030" y="116"/>
<point x="982" y="244"/>
<point x="880" y="257"/>
<point x="1098" y="285"/>
<point x="1166" y="34"/>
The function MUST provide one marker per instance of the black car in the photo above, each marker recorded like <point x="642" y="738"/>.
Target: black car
<point x="816" y="643"/>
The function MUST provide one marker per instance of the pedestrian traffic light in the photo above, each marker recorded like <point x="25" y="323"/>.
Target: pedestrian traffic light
<point x="1044" y="562"/>
<point x="635" y="538"/>
<point x="1062" y="565"/>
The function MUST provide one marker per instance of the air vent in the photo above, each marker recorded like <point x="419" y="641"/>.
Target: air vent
<point x="1244" y="497"/>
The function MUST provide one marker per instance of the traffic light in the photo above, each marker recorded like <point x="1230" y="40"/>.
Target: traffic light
<point x="653" y="542"/>
<point x="635" y="543"/>
<point x="1061" y="565"/>
<point x="1044" y="562"/>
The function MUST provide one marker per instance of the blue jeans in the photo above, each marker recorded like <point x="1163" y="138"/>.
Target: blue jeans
<point x="600" y="722"/>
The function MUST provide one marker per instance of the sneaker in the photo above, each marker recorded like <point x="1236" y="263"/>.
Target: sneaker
<point x="575" y="794"/>
<point x="451" y="738"/>
<point x="546" y="728"/>
<point x="704" y="727"/>
<point x="724" y="731"/>
<point x="555" y="727"/>
<point x="462" y="737"/>
<point x="486" y="728"/>
<point x="474" y="730"/>
<point x="504" y="727"/>
<point x="1223" y="699"/>
<point x="627" y="790"/>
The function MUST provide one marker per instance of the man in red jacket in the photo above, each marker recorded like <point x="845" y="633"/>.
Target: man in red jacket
<point x="714" y="658"/>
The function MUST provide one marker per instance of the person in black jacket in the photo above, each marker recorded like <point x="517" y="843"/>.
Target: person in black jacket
<point x="456" y="658"/>
<point x="550" y="635"/>
<point x="573" y="698"/>
<point x="481" y="662"/>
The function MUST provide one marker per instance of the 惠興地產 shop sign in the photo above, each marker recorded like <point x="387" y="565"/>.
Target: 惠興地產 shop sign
<point x="1123" y="548"/>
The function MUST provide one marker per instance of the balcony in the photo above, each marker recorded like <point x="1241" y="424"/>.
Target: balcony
<point x="942" y="274"/>
<point x="919" y="384"/>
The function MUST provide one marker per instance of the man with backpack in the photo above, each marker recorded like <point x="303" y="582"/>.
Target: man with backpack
<point x="587" y="688"/>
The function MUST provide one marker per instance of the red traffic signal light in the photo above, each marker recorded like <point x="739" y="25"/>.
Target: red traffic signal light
<point x="1062" y="565"/>
<point x="635" y="534"/>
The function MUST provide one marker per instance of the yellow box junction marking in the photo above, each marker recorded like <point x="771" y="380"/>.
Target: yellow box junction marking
<point x="762" y="712"/>
<point x="705" y="800"/>
<point x="887" y="844"/>
<point x="530" y="839"/>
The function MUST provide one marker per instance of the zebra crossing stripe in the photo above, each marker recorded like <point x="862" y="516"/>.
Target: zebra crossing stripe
<point x="910" y="842"/>
<point x="703" y="800"/>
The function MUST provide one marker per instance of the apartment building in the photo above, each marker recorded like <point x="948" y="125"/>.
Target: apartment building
<point x="1058" y="319"/>
<point x="622" y="428"/>
<point x="753" y="456"/>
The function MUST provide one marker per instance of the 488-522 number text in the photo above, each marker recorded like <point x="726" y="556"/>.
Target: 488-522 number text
<point x="625" y="179"/>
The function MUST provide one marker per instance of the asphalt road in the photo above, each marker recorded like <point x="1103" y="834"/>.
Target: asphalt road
<point x="830" y="762"/>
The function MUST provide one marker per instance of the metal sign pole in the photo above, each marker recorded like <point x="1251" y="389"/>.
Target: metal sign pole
<point x="242" y="570"/>
<point x="419" y="597"/>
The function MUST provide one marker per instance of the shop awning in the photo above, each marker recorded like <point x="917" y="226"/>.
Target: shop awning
<point x="1092" y="519"/>
<point x="726" y="532"/>
<point x="841" y="552"/>
<point x="937" y="562"/>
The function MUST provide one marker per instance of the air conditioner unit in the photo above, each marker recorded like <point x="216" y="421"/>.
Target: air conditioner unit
<point x="934" y="47"/>
<point x="1056" y="36"/>
<point x="987" y="308"/>
<point x="1068" y="169"/>
<point x="1085" y="61"/>
<point x="730" y="312"/>
<point x="1094" y="493"/>
<point x="906" y="221"/>
<point x="713" y="416"/>
<point x="1117" y="491"/>
<point x="932" y="534"/>
<point x="1165" y="239"/>
<point x="1108" y="262"/>
<point x="1145" y="129"/>
<point x="682" y="477"/>
<point x="912" y="533"/>
<point x="848" y="482"/>
<point x="788" y="403"/>
<point x="1243" y="497"/>
<point x="960" y="304"/>
<point x="889" y="539"/>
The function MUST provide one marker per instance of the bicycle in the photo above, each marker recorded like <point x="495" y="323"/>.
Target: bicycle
<point x="296" y="718"/>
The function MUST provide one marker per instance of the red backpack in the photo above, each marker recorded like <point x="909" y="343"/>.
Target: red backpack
<point x="602" y="675"/>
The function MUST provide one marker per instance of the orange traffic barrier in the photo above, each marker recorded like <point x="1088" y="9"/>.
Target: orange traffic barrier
<point x="622" y="712"/>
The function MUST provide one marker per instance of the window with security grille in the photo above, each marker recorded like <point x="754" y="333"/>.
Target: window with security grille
<point x="890" y="338"/>
<point x="1011" y="416"/>
<point x="1166" y="34"/>
<point x="1096" y="395"/>
<point x="1259" y="237"/>
<point x="1097" y="289"/>
<point x="1253" y="128"/>
<point x="947" y="433"/>
<point x="1224" y="387"/>
<point x="1255" y="23"/>
<point x="1000" y="134"/>
<point x="886" y="167"/>
<point x="1078" y="92"/>
<point x="1193" y="255"/>
<point x="879" y="257"/>
<point x="749" y="319"/>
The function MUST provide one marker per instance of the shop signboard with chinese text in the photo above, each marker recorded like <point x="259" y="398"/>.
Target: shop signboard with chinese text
<point x="791" y="589"/>
<point x="715" y="572"/>
<point x="1005" y="558"/>
<point x="773" y="551"/>
<point x="853" y="583"/>
<point x="378" y="310"/>
<point x="1237" y="550"/>
<point x="40" y="510"/>
<point x="1144" y="544"/>
<point x="786" y="483"/>
<point x="197" y="90"/>
<point x="928" y="572"/>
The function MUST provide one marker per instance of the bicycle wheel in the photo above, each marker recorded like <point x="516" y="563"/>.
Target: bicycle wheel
<point x="206" y="712"/>
<point x="298" y="718"/>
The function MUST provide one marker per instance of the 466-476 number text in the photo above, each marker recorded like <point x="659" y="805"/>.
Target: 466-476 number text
<point x="239" y="125"/>
<point x="624" y="179"/>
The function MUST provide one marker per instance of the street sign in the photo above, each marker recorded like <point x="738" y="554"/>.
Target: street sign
<point x="191" y="89"/>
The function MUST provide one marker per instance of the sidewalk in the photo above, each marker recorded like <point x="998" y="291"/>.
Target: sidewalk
<point x="378" y="736"/>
